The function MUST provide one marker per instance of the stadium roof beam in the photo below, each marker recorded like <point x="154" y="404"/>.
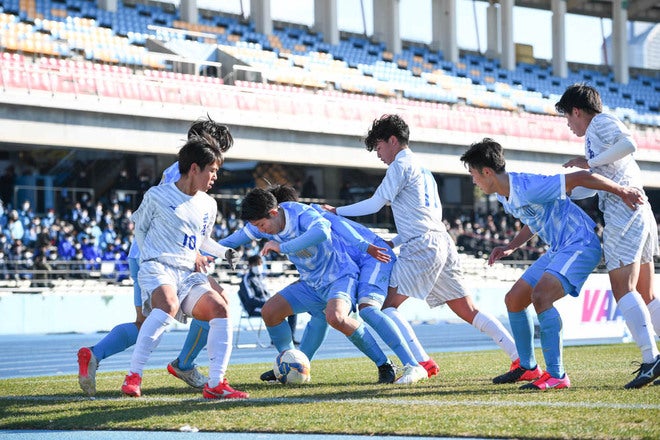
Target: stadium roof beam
<point x="638" y="10"/>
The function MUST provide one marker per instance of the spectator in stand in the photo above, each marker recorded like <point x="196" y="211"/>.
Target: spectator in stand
<point x="25" y="214"/>
<point x="108" y="236"/>
<point x="66" y="247"/>
<point x="15" y="226"/>
<point x="90" y="254"/>
<point x="5" y="244"/>
<point x="49" y="219"/>
<point x="4" y="270"/>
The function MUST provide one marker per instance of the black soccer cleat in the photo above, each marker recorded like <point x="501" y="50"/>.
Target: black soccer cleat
<point x="268" y="376"/>
<point x="386" y="372"/>
<point x="646" y="373"/>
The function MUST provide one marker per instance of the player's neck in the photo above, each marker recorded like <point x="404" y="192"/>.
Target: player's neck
<point x="186" y="186"/>
<point x="502" y="186"/>
<point x="281" y="219"/>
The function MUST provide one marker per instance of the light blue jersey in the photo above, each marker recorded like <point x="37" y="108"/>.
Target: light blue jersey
<point x="541" y="203"/>
<point x="307" y="242"/>
<point x="374" y="275"/>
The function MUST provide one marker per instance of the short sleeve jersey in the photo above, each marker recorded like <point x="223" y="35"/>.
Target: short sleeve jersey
<point x="170" y="226"/>
<point x="541" y="203"/>
<point x="413" y="193"/>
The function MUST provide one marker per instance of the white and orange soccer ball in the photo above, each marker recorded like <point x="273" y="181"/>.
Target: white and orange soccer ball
<point x="292" y="367"/>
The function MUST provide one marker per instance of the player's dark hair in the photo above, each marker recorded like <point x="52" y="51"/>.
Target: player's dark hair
<point x="256" y="204"/>
<point x="385" y="127"/>
<point x="219" y="132"/>
<point x="255" y="260"/>
<point x="485" y="154"/>
<point x="284" y="193"/>
<point x="580" y="96"/>
<point x="202" y="150"/>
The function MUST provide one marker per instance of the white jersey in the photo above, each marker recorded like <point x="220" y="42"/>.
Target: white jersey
<point x="170" y="175"/>
<point x="171" y="226"/>
<point x="628" y="235"/>
<point x="413" y="193"/>
<point x="602" y="133"/>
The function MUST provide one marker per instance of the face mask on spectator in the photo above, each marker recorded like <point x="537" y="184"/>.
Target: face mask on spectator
<point x="257" y="270"/>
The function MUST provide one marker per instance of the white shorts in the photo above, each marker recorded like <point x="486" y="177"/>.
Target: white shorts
<point x="629" y="236"/>
<point x="428" y="268"/>
<point x="190" y="286"/>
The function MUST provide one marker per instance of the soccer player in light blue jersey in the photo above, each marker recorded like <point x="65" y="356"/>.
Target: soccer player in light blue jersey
<point x="630" y="238"/>
<point x="304" y="236"/>
<point x="542" y="204"/>
<point x="427" y="266"/>
<point x="124" y="335"/>
<point x="375" y="260"/>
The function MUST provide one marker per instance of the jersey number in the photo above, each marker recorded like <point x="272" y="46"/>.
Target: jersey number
<point x="189" y="241"/>
<point x="431" y="197"/>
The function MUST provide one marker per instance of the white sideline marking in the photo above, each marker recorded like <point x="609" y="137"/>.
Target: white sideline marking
<point x="440" y="403"/>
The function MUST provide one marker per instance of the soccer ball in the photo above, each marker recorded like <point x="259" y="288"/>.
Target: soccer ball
<point x="292" y="366"/>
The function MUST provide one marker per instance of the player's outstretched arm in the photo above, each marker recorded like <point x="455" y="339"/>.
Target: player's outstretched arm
<point x="500" y="252"/>
<point x="633" y="197"/>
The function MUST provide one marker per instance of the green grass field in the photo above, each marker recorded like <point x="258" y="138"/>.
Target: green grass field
<point x="343" y="398"/>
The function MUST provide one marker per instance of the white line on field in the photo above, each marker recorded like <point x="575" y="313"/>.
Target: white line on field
<point x="299" y="400"/>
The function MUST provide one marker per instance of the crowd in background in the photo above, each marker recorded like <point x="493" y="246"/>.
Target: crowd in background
<point x="76" y="240"/>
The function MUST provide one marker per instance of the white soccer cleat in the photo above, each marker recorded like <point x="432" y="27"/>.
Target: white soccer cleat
<point x="87" y="365"/>
<point x="192" y="377"/>
<point x="412" y="374"/>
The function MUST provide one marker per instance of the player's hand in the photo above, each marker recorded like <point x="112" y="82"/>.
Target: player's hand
<point x="232" y="258"/>
<point x="329" y="208"/>
<point x="633" y="197"/>
<point x="271" y="246"/>
<point x="579" y="162"/>
<point x="379" y="253"/>
<point x="498" y="253"/>
<point x="202" y="263"/>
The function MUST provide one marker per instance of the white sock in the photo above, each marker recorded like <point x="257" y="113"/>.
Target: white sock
<point x="148" y="338"/>
<point x="408" y="334"/>
<point x="219" y="349"/>
<point x="486" y="323"/>
<point x="637" y="318"/>
<point x="654" y="311"/>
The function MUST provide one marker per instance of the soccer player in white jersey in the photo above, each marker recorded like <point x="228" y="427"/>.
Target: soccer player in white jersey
<point x="172" y="225"/>
<point x="123" y="336"/>
<point x="630" y="238"/>
<point x="427" y="267"/>
<point x="304" y="236"/>
<point x="542" y="204"/>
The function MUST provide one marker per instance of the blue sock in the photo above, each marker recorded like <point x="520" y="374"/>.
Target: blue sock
<point x="313" y="336"/>
<point x="280" y="334"/>
<point x="198" y="334"/>
<point x="551" y="342"/>
<point x="522" y="328"/>
<point x="389" y="332"/>
<point x="366" y="343"/>
<point x="119" y="339"/>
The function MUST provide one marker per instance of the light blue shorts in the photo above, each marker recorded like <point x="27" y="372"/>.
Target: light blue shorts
<point x="134" y="267"/>
<point x="302" y="298"/>
<point x="570" y="265"/>
<point x="374" y="279"/>
<point x="344" y="288"/>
